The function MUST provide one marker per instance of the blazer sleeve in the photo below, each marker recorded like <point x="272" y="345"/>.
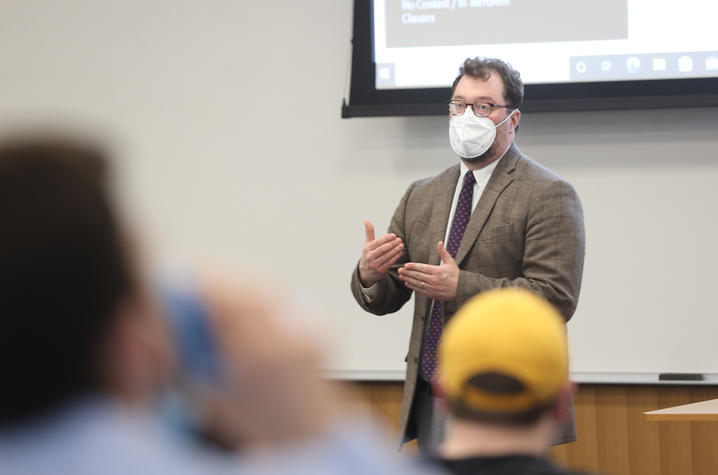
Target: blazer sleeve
<point x="554" y="248"/>
<point x="391" y="293"/>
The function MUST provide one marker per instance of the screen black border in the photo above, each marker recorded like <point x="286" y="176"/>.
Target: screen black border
<point x="367" y="101"/>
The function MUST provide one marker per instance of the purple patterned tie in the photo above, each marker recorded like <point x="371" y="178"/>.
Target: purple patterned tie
<point x="436" y="321"/>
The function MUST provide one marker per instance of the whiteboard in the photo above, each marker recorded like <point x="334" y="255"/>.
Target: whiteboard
<point x="225" y="123"/>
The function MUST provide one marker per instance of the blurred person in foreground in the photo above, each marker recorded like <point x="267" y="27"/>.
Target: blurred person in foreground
<point x="503" y="377"/>
<point x="86" y="354"/>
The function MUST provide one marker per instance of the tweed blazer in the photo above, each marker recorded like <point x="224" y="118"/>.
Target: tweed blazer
<point x="526" y="230"/>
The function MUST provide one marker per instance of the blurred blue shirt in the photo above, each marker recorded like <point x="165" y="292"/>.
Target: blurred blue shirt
<point x="97" y="436"/>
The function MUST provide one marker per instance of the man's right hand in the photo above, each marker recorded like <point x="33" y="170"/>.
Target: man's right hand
<point x="378" y="255"/>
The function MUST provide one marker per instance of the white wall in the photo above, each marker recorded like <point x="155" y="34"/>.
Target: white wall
<point x="225" y="120"/>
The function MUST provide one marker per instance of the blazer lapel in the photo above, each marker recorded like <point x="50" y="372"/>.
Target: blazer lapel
<point x="446" y="187"/>
<point x="500" y="179"/>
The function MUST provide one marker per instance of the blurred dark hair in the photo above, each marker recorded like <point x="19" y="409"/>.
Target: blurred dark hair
<point x="481" y="68"/>
<point x="498" y="385"/>
<point x="63" y="271"/>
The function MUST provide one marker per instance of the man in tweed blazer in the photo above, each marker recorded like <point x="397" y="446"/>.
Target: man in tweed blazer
<point x="526" y="230"/>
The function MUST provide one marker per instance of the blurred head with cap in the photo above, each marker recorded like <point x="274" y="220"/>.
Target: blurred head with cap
<point x="503" y="372"/>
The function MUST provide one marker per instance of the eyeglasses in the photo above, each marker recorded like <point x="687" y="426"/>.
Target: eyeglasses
<point x="480" y="108"/>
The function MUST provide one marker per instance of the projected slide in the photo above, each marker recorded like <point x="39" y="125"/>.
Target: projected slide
<point x="421" y="43"/>
<point x="463" y="22"/>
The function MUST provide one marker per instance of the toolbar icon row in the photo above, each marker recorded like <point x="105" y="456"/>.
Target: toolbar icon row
<point x="645" y="65"/>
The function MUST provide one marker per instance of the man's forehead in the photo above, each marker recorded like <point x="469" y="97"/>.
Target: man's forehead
<point x="491" y="88"/>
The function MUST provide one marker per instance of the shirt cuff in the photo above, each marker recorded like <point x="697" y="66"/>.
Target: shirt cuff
<point x="369" y="293"/>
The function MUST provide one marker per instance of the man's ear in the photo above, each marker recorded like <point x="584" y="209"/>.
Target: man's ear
<point x="515" y="117"/>
<point x="137" y="356"/>
<point x="562" y="409"/>
<point x="437" y="389"/>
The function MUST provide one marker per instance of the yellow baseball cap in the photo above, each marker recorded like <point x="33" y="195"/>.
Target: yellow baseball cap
<point x="507" y="332"/>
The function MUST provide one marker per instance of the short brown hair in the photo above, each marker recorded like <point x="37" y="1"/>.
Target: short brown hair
<point x="482" y="68"/>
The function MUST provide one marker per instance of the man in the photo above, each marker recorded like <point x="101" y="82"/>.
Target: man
<point x="496" y="219"/>
<point x="86" y="356"/>
<point x="503" y="374"/>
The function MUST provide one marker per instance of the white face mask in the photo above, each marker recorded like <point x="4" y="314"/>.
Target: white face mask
<point x="471" y="135"/>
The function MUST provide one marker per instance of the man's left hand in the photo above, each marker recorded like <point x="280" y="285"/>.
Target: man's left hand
<point x="436" y="282"/>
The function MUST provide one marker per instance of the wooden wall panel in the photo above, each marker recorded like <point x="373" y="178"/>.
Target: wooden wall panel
<point x="611" y="418"/>
<point x="614" y="437"/>
<point x="643" y="437"/>
<point x="586" y="453"/>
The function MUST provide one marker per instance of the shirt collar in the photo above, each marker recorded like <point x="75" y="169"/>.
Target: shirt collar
<point x="481" y="175"/>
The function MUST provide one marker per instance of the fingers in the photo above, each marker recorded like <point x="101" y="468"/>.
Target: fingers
<point x="418" y="271"/>
<point x="416" y="283"/>
<point x="382" y="257"/>
<point x="386" y="260"/>
<point x="419" y="287"/>
<point x="422" y="278"/>
<point x="418" y="277"/>
<point x="381" y="250"/>
<point x="443" y="253"/>
<point x="381" y="241"/>
<point x="378" y="255"/>
<point x="369" y="228"/>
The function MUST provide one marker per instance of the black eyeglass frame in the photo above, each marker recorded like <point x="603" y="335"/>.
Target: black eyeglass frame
<point x="492" y="106"/>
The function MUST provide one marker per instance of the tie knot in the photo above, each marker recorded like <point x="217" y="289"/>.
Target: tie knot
<point x="469" y="178"/>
